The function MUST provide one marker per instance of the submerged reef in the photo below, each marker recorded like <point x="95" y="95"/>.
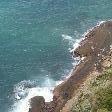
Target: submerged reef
<point x="88" y="89"/>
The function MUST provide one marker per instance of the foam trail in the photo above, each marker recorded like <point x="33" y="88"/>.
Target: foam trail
<point x="74" y="43"/>
<point x="77" y="41"/>
<point x="23" y="104"/>
<point x="24" y="91"/>
<point x="68" y="38"/>
<point x="23" y="94"/>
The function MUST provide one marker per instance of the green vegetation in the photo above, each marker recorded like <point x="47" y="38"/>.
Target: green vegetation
<point x="97" y="95"/>
<point x="104" y="98"/>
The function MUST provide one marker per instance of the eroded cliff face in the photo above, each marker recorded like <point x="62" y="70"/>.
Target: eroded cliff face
<point x="95" y="93"/>
<point x="96" y="50"/>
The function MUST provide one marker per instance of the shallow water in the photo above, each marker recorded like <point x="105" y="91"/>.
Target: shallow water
<point x="35" y="37"/>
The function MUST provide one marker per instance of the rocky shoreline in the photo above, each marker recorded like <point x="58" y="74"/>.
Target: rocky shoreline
<point x="96" y="52"/>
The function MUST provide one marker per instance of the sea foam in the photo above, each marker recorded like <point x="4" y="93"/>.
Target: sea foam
<point x="24" y="91"/>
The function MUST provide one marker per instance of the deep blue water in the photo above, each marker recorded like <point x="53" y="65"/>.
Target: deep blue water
<point x="31" y="43"/>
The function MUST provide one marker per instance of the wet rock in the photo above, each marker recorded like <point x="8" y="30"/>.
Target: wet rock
<point x="37" y="104"/>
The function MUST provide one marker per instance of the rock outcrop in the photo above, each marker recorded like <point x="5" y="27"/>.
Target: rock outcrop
<point x="95" y="49"/>
<point x="95" y="94"/>
<point x="37" y="104"/>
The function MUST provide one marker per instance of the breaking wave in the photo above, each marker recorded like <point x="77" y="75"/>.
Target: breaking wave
<point x="25" y="90"/>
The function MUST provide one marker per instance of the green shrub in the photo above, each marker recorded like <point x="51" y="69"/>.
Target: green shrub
<point x="104" y="98"/>
<point x="101" y="98"/>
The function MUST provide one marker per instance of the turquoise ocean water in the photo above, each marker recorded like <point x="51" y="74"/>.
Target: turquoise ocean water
<point x="35" y="37"/>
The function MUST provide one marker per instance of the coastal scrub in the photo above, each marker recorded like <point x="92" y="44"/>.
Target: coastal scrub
<point x="97" y="96"/>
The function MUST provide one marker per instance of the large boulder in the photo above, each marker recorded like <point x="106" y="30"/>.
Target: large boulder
<point x="37" y="104"/>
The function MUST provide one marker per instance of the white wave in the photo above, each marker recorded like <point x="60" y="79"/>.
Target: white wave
<point x="21" y="89"/>
<point x="111" y="47"/>
<point x="73" y="42"/>
<point x="98" y="24"/>
<point x="23" y="104"/>
<point x="68" y="38"/>
<point x="77" y="41"/>
<point x="59" y="82"/>
<point x="23" y="92"/>
<point x="76" y="44"/>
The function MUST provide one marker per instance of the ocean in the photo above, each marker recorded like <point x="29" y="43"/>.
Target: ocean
<point x="36" y="37"/>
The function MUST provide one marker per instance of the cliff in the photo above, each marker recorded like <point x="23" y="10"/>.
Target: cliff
<point x="95" y="93"/>
<point x="88" y="89"/>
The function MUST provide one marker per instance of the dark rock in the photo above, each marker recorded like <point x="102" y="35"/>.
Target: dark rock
<point x="37" y="104"/>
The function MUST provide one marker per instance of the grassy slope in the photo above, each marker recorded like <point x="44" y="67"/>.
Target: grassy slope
<point x="96" y="96"/>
